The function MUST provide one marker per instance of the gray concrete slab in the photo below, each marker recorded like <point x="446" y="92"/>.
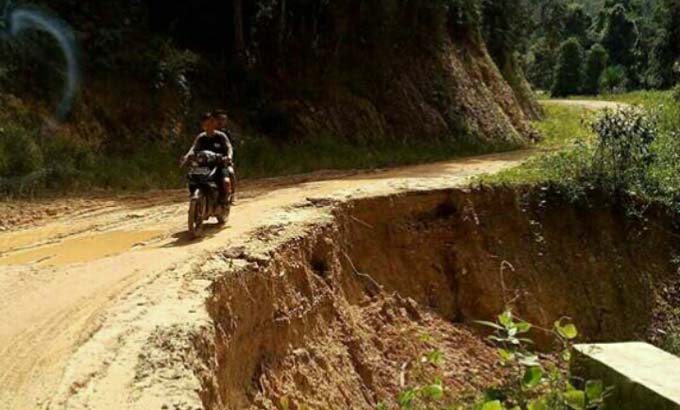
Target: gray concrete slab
<point x="642" y="376"/>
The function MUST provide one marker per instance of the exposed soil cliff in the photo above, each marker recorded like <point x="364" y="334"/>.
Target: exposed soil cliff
<point x="331" y="319"/>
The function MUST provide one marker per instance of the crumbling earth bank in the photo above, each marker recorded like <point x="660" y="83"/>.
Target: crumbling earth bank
<point x="332" y="318"/>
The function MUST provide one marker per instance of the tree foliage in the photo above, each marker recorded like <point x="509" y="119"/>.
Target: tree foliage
<point x="568" y="73"/>
<point x="641" y="37"/>
<point x="596" y="64"/>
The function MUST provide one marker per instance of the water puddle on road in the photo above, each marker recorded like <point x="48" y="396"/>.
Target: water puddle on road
<point x="80" y="249"/>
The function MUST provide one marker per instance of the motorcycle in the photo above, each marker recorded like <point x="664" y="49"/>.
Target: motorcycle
<point x="204" y="200"/>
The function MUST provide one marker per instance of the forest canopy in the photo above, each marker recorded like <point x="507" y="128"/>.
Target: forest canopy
<point x="640" y="39"/>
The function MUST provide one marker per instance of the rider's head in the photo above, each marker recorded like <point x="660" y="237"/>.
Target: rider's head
<point x="208" y="123"/>
<point x="221" y="117"/>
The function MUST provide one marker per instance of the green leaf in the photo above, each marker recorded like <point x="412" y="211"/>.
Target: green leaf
<point x="523" y="327"/>
<point x="576" y="399"/>
<point x="530" y="360"/>
<point x="505" y="319"/>
<point x="436" y="357"/>
<point x="532" y="377"/>
<point x="492" y="405"/>
<point x="489" y="324"/>
<point x="433" y="391"/>
<point x="566" y="355"/>
<point x="594" y="391"/>
<point x="538" y="404"/>
<point x="567" y="331"/>
<point x="506" y="355"/>
<point x="406" y="399"/>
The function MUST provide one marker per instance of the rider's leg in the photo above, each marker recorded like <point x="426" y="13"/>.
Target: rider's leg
<point x="222" y="186"/>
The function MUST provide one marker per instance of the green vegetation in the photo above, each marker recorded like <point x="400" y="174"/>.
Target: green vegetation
<point x="568" y="71"/>
<point x="596" y="64"/>
<point x="31" y="164"/>
<point x="632" y="154"/>
<point x="640" y="37"/>
<point x="631" y="151"/>
<point x="530" y="382"/>
<point x="309" y="85"/>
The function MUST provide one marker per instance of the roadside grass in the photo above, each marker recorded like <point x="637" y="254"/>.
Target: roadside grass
<point x="566" y="140"/>
<point x="572" y="167"/>
<point x="33" y="165"/>
<point x="563" y="125"/>
<point x="647" y="99"/>
<point x="261" y="157"/>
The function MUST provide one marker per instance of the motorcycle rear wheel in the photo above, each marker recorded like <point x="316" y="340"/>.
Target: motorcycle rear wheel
<point x="223" y="216"/>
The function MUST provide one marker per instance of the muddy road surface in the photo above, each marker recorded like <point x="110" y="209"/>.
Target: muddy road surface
<point x="86" y="285"/>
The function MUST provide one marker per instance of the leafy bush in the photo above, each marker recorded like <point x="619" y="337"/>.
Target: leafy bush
<point x="569" y="69"/>
<point x="623" y="154"/>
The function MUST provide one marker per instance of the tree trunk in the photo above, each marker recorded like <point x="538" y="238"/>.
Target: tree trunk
<point x="239" y="38"/>
<point x="282" y="23"/>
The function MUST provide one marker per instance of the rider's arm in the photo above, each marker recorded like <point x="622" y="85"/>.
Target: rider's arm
<point x="193" y="147"/>
<point x="227" y="144"/>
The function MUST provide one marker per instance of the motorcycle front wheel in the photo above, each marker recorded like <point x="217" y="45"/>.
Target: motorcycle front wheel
<point x="196" y="209"/>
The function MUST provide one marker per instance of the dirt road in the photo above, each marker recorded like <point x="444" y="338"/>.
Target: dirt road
<point x="87" y="285"/>
<point x="80" y="295"/>
<point x="587" y="104"/>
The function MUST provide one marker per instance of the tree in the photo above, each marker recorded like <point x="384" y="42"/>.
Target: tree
<point x="596" y="63"/>
<point x="552" y="21"/>
<point x="239" y="38"/>
<point x="540" y="64"/>
<point x="568" y="72"/>
<point x="666" y="50"/>
<point x="620" y="36"/>
<point x="577" y="22"/>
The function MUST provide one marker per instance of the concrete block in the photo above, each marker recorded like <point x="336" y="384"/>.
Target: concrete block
<point x="642" y="376"/>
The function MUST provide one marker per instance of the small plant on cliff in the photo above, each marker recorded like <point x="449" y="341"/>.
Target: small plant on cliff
<point x="426" y="372"/>
<point x="539" y="384"/>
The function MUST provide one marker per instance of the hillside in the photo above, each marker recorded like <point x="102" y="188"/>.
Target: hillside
<point x="290" y="73"/>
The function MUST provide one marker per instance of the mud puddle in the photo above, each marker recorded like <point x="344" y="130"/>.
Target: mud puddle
<point x="81" y="249"/>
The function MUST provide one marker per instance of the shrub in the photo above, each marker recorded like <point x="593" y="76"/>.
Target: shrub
<point x="21" y="161"/>
<point x="569" y="69"/>
<point x="623" y="153"/>
<point x="596" y="63"/>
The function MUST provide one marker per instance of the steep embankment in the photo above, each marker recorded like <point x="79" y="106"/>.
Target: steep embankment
<point x="331" y="319"/>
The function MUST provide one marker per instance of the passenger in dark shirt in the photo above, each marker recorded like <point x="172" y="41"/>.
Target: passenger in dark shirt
<point x="222" y="119"/>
